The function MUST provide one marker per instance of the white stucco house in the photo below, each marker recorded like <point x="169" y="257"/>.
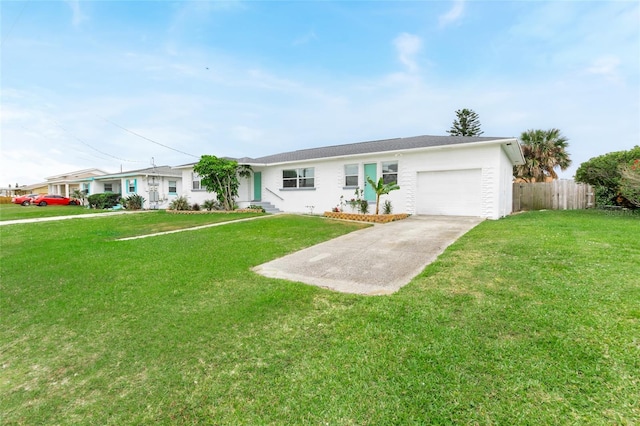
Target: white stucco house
<point x="159" y="185"/>
<point x="437" y="175"/>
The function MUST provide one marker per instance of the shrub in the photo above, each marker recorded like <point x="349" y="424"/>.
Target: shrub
<point x="195" y="207"/>
<point x="254" y="207"/>
<point x="212" y="205"/>
<point x="133" y="202"/>
<point x="180" y="203"/>
<point x="387" y="208"/>
<point x="105" y="200"/>
<point x="604" y="173"/>
<point x="363" y="206"/>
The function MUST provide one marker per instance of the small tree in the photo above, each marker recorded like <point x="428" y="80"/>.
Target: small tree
<point x="544" y="151"/>
<point x="467" y="123"/>
<point x="220" y="175"/>
<point x="80" y="195"/>
<point x="381" y="188"/>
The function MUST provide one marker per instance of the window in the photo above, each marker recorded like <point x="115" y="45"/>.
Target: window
<point x="131" y="185"/>
<point x="108" y="187"/>
<point x="195" y="182"/>
<point x="298" y="178"/>
<point x="173" y="187"/>
<point x="85" y="188"/>
<point x="351" y="175"/>
<point x="390" y="171"/>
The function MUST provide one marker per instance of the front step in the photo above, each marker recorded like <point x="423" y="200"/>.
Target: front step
<point x="267" y="206"/>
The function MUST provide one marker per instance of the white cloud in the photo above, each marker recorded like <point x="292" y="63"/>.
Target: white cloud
<point x="606" y="66"/>
<point x="78" y="16"/>
<point x="408" y="46"/>
<point x="454" y="14"/>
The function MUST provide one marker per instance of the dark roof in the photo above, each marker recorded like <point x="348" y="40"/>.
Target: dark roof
<point x="369" y="147"/>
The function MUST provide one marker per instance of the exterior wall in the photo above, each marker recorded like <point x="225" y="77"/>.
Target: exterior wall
<point x="142" y="187"/>
<point x="329" y="180"/>
<point x="484" y="157"/>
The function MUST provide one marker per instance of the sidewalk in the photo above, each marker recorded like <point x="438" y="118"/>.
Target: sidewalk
<point x="78" y="216"/>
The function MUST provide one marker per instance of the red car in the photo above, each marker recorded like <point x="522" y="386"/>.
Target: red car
<point x="25" y="200"/>
<point x="45" y="200"/>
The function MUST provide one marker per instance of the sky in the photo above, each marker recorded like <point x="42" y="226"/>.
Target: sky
<point x="121" y="85"/>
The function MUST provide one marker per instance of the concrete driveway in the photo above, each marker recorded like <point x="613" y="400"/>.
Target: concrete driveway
<point x="376" y="260"/>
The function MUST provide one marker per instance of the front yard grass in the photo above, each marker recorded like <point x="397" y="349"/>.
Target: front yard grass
<point x="533" y="319"/>
<point x="16" y="211"/>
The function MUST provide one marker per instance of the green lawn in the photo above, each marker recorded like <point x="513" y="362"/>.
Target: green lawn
<point x="16" y="211"/>
<point x="533" y="319"/>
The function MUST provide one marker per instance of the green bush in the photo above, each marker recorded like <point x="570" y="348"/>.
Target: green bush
<point x="180" y="203"/>
<point x="133" y="202"/>
<point x="212" y="205"/>
<point x="604" y="173"/>
<point x="195" y="207"/>
<point x="387" y="208"/>
<point x="105" y="200"/>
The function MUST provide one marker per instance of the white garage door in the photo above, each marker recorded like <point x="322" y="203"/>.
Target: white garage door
<point x="450" y="192"/>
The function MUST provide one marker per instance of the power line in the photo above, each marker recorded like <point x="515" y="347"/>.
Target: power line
<point x="95" y="149"/>
<point x="146" y="138"/>
<point x="6" y="36"/>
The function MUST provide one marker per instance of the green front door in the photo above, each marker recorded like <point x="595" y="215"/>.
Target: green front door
<point x="257" y="186"/>
<point x="369" y="172"/>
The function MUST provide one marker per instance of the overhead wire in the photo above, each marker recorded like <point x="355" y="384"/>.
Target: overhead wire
<point x="148" y="139"/>
<point x="95" y="149"/>
<point x="4" y="37"/>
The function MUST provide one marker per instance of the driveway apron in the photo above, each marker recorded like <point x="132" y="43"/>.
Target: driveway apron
<point x="374" y="261"/>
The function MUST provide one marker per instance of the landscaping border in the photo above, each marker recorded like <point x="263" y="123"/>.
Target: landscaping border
<point x="213" y="211"/>
<point x="376" y="218"/>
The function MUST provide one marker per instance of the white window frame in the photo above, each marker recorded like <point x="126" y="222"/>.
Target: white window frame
<point x="389" y="176"/>
<point x="110" y="187"/>
<point x="301" y="179"/>
<point x="174" y="187"/>
<point x="196" y="182"/>
<point x="349" y="174"/>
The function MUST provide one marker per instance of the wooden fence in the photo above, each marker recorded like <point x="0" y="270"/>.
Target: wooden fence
<point x="556" y="195"/>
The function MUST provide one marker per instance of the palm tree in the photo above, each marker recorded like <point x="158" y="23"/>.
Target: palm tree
<point x="543" y="151"/>
<point x="381" y="188"/>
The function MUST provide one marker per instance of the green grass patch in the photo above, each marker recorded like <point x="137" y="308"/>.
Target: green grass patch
<point x="16" y="211"/>
<point x="532" y="319"/>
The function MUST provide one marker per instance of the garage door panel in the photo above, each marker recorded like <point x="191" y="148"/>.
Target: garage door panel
<point x="450" y="192"/>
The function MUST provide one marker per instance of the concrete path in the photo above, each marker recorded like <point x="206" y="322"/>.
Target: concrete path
<point x="78" y="216"/>
<point x="376" y="260"/>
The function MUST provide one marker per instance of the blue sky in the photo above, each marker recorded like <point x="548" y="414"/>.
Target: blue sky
<point x="261" y="77"/>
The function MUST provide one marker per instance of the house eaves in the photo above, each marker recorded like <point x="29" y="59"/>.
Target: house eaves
<point x="389" y="146"/>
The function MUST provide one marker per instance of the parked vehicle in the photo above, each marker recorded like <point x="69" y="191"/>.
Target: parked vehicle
<point x="25" y="200"/>
<point x="59" y="200"/>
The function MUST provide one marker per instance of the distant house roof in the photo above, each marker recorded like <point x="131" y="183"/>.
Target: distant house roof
<point x="75" y="175"/>
<point x="385" y="145"/>
<point x="154" y="171"/>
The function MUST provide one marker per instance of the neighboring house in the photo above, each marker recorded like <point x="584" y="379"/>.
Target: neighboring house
<point x="158" y="185"/>
<point x="437" y="175"/>
<point x="66" y="183"/>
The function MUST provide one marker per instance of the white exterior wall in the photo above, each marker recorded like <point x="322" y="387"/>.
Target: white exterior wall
<point x="329" y="183"/>
<point x="329" y="176"/>
<point x="481" y="157"/>
<point x="142" y="188"/>
<point x="193" y="196"/>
